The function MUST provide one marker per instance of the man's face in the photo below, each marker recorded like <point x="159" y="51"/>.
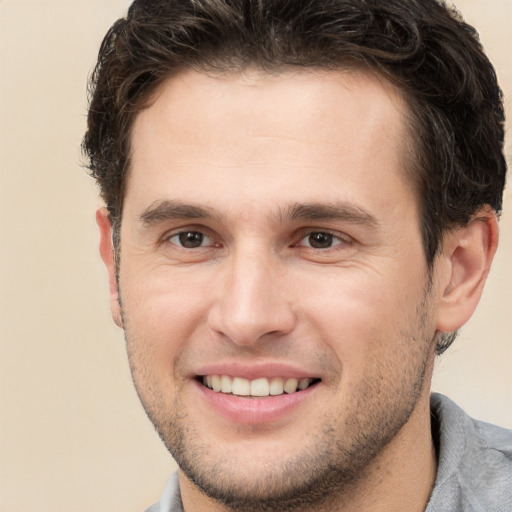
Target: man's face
<point x="270" y="239"/>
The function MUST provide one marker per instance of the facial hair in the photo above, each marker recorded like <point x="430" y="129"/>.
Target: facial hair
<point x="318" y="476"/>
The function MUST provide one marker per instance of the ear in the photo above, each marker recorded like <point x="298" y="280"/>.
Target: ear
<point x="468" y="253"/>
<point x="107" y="255"/>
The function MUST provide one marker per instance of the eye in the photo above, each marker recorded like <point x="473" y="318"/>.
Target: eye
<point x="320" y="240"/>
<point x="190" y="239"/>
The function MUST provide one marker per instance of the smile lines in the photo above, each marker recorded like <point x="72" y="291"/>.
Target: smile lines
<point x="258" y="387"/>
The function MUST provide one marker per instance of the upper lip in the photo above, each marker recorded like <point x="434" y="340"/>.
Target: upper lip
<point x="255" y="371"/>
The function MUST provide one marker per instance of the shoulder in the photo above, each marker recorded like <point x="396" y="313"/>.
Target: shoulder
<point x="171" y="497"/>
<point x="457" y="428"/>
<point x="474" y="462"/>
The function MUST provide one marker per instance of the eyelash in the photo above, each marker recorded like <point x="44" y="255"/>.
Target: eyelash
<point x="186" y="232"/>
<point x="331" y="238"/>
<point x="336" y="239"/>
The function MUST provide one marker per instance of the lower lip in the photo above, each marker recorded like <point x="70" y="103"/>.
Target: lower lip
<point x="254" y="411"/>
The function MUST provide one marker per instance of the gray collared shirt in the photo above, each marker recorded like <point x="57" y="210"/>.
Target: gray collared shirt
<point x="474" y="472"/>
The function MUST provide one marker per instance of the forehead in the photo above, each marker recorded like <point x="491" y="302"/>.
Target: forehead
<point x="273" y="134"/>
<point x="200" y="103"/>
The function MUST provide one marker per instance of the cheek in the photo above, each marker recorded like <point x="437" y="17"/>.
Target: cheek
<point x="161" y="314"/>
<point x="365" y="319"/>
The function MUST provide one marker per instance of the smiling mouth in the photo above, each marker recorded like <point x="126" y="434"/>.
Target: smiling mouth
<point x="261" y="387"/>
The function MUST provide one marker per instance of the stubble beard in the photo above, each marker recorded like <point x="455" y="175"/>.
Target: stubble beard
<point x="322" y="474"/>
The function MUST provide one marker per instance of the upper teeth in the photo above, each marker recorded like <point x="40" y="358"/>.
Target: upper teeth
<point x="257" y="387"/>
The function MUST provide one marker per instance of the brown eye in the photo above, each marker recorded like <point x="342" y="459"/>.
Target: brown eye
<point x="321" y="240"/>
<point x="190" y="239"/>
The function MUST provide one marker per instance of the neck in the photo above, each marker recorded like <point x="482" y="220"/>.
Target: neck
<point x="401" y="479"/>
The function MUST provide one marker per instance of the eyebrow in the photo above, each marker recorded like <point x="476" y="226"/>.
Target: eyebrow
<point x="167" y="210"/>
<point x="171" y="209"/>
<point x="347" y="212"/>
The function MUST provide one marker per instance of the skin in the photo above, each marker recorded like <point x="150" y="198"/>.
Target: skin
<point x="229" y="158"/>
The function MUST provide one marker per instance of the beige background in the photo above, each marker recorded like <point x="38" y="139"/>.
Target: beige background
<point x="73" y="437"/>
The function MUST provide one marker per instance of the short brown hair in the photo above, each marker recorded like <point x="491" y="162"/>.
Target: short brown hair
<point x="422" y="46"/>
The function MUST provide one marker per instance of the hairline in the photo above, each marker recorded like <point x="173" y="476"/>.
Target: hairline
<point x="409" y="149"/>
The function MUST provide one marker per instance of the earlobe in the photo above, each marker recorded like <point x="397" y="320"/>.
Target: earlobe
<point x="469" y="252"/>
<point x="107" y="255"/>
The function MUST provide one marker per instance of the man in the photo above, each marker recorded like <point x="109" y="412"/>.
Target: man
<point x="301" y="211"/>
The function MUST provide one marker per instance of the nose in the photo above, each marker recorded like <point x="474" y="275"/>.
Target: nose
<point x="252" y="301"/>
